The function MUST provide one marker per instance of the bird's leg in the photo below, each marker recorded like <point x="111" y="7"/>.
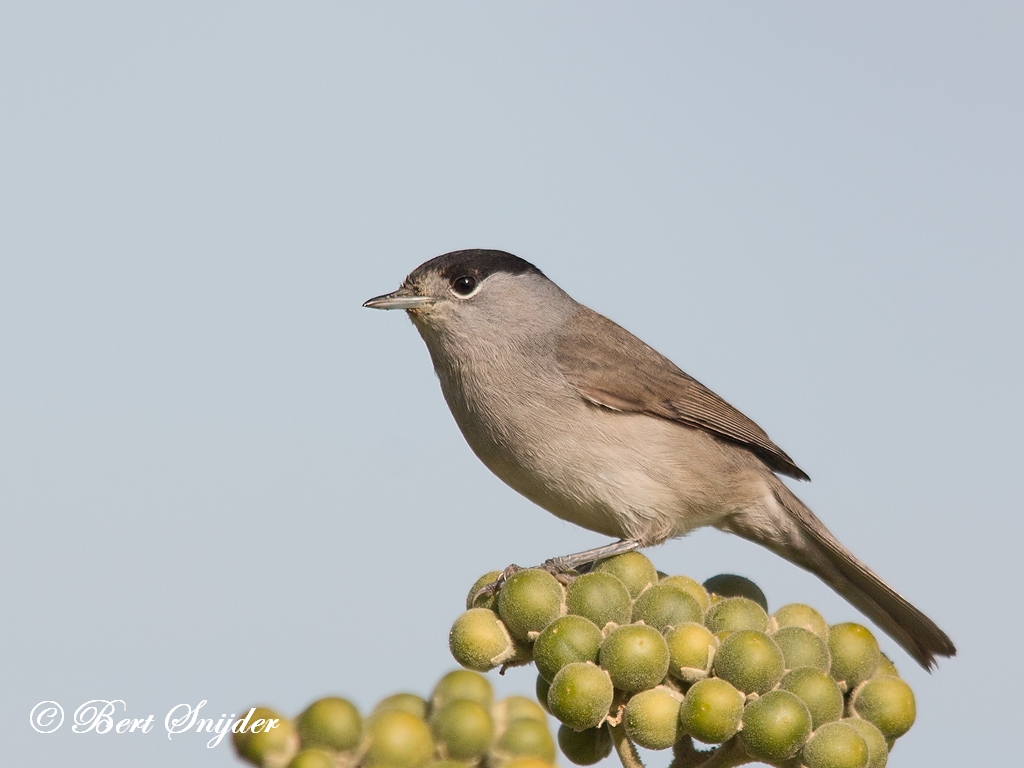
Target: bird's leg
<point x="572" y="562"/>
<point x="560" y="566"/>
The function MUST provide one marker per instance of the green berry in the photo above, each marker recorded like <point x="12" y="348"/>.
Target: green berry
<point x="529" y="601"/>
<point x="691" y="648"/>
<point x="775" y="726"/>
<point x="635" y="656"/>
<point x="462" y="684"/>
<point x="749" y="660"/>
<point x="478" y="640"/>
<point x="330" y="723"/>
<point x="888" y="703"/>
<point x="600" y="597"/>
<point x="585" y="747"/>
<point x="462" y="729"/>
<point x="886" y="667"/>
<point x="854" y="652"/>
<point x="403" y="702"/>
<point x="730" y="585"/>
<point x="691" y="586"/>
<point x="312" y="758"/>
<point x="711" y="711"/>
<point x="398" y="739"/>
<point x="818" y="691"/>
<point x="477" y="600"/>
<point x="258" y="745"/>
<point x="632" y="569"/>
<point x="652" y="718"/>
<point x="516" y="708"/>
<point x="524" y="738"/>
<point x="802" y="648"/>
<point x="563" y="641"/>
<point x="580" y="695"/>
<point x="541" y="689"/>
<point x="800" y="615"/>
<point x="835" y="745"/>
<point x="734" y="613"/>
<point x="664" y="606"/>
<point x="878" y="749"/>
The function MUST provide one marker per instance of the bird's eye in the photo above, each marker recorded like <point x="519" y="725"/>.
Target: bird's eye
<point x="464" y="285"/>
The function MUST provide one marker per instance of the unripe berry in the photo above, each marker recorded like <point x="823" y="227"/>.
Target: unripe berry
<point x="835" y="745"/>
<point x="524" y="738"/>
<point x="730" y="585"/>
<point x="275" y="746"/>
<point x="888" y="703"/>
<point x="462" y="684"/>
<point x="563" y="641"/>
<point x="600" y="597"/>
<point x="330" y="723"/>
<point x="691" y="647"/>
<point x="478" y="640"/>
<point x="403" y="702"/>
<point x="632" y="569"/>
<point x="541" y="689"/>
<point x="580" y="695"/>
<point x="475" y="599"/>
<point x="886" y="667"/>
<point x="775" y="726"/>
<point x="818" y="691"/>
<point x="749" y="660"/>
<point x="735" y="613"/>
<point x="664" y="606"/>
<point x="652" y="718"/>
<point x="635" y="656"/>
<point x="692" y="587"/>
<point x="585" y="747"/>
<point x="800" y="615"/>
<point x="854" y="652"/>
<point x="514" y="708"/>
<point x="312" y="758"/>
<point x="398" y="739"/>
<point x="711" y="711"/>
<point x="802" y="648"/>
<point x="462" y="729"/>
<point x="529" y="601"/>
<point x="878" y="749"/>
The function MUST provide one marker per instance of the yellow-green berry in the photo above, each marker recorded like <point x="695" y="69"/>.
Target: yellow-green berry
<point x="312" y="758"/>
<point x="270" y="738"/>
<point x="462" y="684"/>
<point x="775" y="726"/>
<point x="462" y="729"/>
<point x="802" y="648"/>
<point x="565" y="640"/>
<point x="600" y="597"/>
<point x="580" y="695"/>
<point x="330" y="723"/>
<point x="888" y="703"/>
<point x="854" y="652"/>
<point x="712" y="711"/>
<point x="524" y="738"/>
<point x="691" y="647"/>
<point x="403" y="702"/>
<point x="398" y="739"/>
<point x="478" y="640"/>
<point x="878" y="749"/>
<point x="664" y="606"/>
<point x="530" y="600"/>
<point x="476" y="598"/>
<point x="691" y="586"/>
<point x="835" y="745"/>
<point x="749" y="660"/>
<point x="735" y="613"/>
<point x="818" y="691"/>
<point x="635" y="656"/>
<point x="800" y="615"/>
<point x="632" y="569"/>
<point x="652" y="718"/>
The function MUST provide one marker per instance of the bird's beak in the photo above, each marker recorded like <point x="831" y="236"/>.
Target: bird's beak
<point x="403" y="298"/>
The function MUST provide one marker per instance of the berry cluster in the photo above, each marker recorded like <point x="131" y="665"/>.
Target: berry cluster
<point x="627" y="655"/>
<point x="461" y="726"/>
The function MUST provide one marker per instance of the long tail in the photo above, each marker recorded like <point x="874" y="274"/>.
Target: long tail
<point x="810" y="545"/>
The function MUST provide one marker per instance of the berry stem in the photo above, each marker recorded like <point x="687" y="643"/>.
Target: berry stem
<point x="625" y="748"/>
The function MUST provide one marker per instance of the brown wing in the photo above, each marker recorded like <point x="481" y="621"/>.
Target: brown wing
<point x="611" y="367"/>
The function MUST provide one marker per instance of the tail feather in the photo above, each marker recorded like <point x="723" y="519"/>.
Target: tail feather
<point x="815" y="549"/>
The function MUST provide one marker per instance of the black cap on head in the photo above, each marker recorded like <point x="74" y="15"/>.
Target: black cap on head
<point x="475" y="262"/>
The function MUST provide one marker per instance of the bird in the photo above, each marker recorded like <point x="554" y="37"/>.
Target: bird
<point x="593" y="425"/>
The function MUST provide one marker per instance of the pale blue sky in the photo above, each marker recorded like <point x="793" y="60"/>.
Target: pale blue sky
<point x="222" y="479"/>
